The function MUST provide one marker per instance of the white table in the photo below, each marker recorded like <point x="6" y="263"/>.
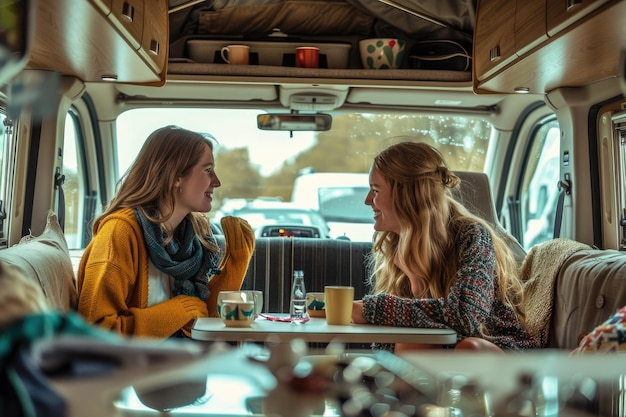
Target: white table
<point x="317" y="331"/>
<point x="231" y="378"/>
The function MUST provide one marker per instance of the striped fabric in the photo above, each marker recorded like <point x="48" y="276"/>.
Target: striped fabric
<point x="324" y="262"/>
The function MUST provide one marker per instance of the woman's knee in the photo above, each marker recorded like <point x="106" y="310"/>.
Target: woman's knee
<point x="477" y="344"/>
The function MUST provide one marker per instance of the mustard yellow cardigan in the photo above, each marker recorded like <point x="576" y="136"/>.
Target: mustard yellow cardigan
<point x="113" y="278"/>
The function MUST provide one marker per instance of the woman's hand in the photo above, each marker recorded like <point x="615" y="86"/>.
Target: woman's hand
<point x="357" y="312"/>
<point x="239" y="239"/>
<point x="195" y="308"/>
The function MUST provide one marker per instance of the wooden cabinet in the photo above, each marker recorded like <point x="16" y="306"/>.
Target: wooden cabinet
<point x="494" y="36"/>
<point x="104" y="5"/>
<point x="577" y="47"/>
<point x="127" y="16"/>
<point x="530" y="24"/>
<point x="155" y="36"/>
<point x="563" y="13"/>
<point x="505" y="30"/>
<point x="87" y="40"/>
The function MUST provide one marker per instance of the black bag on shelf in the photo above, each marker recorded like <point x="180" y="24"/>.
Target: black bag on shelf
<point x="440" y="55"/>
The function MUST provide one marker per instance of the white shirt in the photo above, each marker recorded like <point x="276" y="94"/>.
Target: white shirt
<point x="159" y="285"/>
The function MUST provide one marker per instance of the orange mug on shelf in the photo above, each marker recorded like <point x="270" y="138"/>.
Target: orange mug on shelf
<point x="307" y="57"/>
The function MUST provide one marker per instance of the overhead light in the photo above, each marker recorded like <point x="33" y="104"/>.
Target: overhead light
<point x="109" y="77"/>
<point x="522" y="90"/>
<point x="313" y="102"/>
<point x="312" y="97"/>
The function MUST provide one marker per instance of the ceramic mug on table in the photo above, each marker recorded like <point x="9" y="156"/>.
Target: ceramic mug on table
<point x="236" y="54"/>
<point x="338" y="301"/>
<point x="315" y="304"/>
<point x="243" y="295"/>
<point x="257" y="297"/>
<point x="228" y="295"/>
<point x="237" y="313"/>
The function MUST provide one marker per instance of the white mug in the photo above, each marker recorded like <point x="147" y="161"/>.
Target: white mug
<point x="236" y="54"/>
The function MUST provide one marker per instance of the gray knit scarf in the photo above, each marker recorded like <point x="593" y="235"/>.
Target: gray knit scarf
<point x="183" y="258"/>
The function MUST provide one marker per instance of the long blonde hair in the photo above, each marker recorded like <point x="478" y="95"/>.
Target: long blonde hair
<point x="430" y="220"/>
<point x="168" y="153"/>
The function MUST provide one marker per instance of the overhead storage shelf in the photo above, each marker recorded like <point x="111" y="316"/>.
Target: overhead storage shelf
<point x="183" y="67"/>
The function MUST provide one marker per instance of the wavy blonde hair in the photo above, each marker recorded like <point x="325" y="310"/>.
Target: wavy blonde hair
<point x="168" y="153"/>
<point x="430" y="220"/>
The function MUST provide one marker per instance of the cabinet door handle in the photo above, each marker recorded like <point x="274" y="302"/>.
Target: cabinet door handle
<point x="154" y="46"/>
<point x="494" y="53"/>
<point x="572" y="3"/>
<point x="128" y="11"/>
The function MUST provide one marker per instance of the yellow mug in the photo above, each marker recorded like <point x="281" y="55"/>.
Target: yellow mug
<point x="338" y="301"/>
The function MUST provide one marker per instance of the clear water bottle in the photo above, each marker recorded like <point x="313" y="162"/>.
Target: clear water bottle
<point x="298" y="298"/>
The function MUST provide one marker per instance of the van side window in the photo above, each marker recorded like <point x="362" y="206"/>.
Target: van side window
<point x="4" y="175"/>
<point x="74" y="185"/>
<point x="539" y="185"/>
<point x="620" y="128"/>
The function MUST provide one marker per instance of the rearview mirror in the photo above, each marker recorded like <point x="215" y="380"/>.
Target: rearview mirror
<point x="294" y="121"/>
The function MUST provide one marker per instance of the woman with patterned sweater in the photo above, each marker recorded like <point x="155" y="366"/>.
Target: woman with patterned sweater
<point x="435" y="264"/>
<point x="153" y="266"/>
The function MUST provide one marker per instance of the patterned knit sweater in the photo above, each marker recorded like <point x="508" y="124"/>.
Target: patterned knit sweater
<point x="471" y="302"/>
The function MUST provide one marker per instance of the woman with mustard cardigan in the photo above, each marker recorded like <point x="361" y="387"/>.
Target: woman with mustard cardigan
<point x="153" y="265"/>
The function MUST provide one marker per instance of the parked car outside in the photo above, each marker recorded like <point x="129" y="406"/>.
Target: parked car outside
<point x="261" y="213"/>
<point x="340" y="199"/>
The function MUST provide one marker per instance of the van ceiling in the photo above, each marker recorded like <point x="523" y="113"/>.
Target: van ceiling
<point x="409" y="19"/>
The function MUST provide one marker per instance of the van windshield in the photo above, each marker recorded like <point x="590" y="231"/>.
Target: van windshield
<point x="334" y="200"/>
<point x="259" y="165"/>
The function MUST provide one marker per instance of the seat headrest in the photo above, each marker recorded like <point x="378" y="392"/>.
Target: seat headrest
<point x="475" y="194"/>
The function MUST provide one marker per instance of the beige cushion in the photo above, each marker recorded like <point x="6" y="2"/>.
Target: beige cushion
<point x="46" y="261"/>
<point x="539" y="273"/>
<point x="590" y="287"/>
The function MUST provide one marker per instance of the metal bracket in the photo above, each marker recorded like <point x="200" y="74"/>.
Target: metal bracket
<point x="565" y="184"/>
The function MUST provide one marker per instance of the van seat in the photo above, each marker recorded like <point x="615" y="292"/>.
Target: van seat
<point x="475" y="194"/>
<point x="324" y="262"/>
